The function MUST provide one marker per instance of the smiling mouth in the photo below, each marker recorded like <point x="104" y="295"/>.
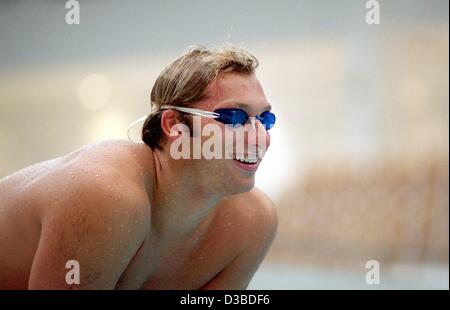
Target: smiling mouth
<point x="246" y="161"/>
<point x="247" y="164"/>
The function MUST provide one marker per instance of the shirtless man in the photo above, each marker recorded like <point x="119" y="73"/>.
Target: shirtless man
<point x="134" y="217"/>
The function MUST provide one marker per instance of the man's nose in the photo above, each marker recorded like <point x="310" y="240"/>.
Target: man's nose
<point x="261" y="137"/>
<point x="254" y="122"/>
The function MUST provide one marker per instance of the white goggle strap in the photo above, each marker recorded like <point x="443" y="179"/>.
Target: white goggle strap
<point x="167" y="107"/>
<point x="131" y="126"/>
<point x="192" y="111"/>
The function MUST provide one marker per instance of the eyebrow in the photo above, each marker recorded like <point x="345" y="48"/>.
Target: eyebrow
<point x="242" y="105"/>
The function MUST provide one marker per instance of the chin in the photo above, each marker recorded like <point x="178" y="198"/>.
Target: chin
<point x="223" y="180"/>
<point x="240" y="186"/>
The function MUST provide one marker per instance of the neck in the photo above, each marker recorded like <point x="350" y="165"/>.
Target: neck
<point x="180" y="202"/>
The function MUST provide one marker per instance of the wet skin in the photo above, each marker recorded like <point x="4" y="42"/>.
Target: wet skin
<point x="135" y="218"/>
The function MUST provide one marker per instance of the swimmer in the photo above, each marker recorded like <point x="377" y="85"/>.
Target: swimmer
<point x="132" y="216"/>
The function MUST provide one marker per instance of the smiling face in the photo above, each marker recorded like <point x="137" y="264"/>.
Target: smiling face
<point x="231" y="176"/>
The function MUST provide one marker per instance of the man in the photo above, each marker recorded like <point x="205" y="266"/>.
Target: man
<point x="128" y="215"/>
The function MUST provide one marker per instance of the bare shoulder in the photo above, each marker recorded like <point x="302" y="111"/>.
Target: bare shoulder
<point x="105" y="175"/>
<point x="261" y="201"/>
<point x="255" y="203"/>
<point x="110" y="169"/>
<point x="254" y="211"/>
<point x="97" y="212"/>
<point x="254" y="227"/>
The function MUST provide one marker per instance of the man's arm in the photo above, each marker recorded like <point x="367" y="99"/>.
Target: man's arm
<point x="260" y="233"/>
<point x="91" y="225"/>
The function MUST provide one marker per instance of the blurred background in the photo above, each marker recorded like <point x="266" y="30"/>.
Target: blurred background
<point x="358" y="165"/>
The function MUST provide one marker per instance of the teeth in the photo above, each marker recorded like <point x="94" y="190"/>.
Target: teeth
<point x="246" y="160"/>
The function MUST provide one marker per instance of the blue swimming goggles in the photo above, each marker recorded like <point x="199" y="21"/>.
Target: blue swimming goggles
<point x="231" y="116"/>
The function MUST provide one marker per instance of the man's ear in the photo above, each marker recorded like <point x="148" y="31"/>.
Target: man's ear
<point x="170" y="122"/>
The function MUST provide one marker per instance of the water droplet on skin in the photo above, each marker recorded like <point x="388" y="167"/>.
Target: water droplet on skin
<point x="128" y="231"/>
<point x="109" y="228"/>
<point x="96" y="175"/>
<point x="121" y="225"/>
<point x="109" y="186"/>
